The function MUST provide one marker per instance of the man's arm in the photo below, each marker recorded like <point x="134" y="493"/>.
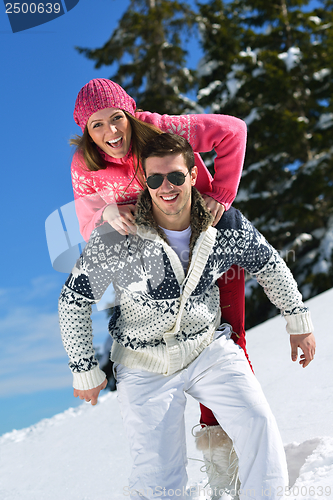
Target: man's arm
<point x="281" y="288"/>
<point x="77" y="338"/>
<point x="260" y="259"/>
<point x="85" y="286"/>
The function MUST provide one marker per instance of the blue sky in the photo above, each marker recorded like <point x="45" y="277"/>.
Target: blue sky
<point x="41" y="74"/>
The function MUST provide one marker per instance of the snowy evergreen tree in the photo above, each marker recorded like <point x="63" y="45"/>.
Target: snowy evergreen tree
<point x="148" y="49"/>
<point x="270" y="63"/>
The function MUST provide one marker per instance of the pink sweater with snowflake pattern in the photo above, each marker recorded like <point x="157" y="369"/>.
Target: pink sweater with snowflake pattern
<point x="116" y="183"/>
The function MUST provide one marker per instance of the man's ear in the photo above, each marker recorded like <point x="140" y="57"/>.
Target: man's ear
<point x="194" y="175"/>
<point x="144" y="176"/>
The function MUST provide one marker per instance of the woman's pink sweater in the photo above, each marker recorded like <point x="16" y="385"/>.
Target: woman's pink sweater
<point x="116" y="183"/>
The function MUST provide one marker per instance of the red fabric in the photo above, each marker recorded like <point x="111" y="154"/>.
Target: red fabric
<point x="232" y="302"/>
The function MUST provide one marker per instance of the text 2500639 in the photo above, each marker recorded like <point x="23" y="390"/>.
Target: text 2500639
<point x="32" y="8"/>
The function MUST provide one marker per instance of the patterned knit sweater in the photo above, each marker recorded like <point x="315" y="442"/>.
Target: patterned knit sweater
<point x="164" y="318"/>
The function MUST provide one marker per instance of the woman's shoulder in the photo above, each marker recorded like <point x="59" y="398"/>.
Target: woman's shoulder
<point x="78" y="162"/>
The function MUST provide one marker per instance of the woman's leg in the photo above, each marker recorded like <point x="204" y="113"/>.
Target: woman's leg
<point x="232" y="303"/>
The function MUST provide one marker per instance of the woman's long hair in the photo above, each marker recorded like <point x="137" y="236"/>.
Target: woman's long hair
<point x="141" y="133"/>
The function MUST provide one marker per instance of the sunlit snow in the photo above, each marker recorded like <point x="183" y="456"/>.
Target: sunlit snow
<point x="82" y="454"/>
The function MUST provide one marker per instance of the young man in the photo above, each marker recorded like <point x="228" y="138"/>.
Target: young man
<point x="167" y="338"/>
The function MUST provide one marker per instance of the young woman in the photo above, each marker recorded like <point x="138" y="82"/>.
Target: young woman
<point x="107" y="176"/>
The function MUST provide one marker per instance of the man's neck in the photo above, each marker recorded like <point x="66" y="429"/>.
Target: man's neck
<point x="177" y="222"/>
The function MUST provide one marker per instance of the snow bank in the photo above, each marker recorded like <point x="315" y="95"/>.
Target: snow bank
<point x="82" y="454"/>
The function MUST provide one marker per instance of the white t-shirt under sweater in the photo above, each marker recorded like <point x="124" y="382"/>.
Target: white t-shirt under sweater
<point x="180" y="243"/>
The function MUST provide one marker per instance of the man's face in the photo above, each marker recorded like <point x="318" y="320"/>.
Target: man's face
<point x="171" y="203"/>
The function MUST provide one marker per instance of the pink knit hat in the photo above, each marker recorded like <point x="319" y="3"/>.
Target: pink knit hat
<point x="97" y="94"/>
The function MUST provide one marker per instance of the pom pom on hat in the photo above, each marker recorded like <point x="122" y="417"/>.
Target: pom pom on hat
<point x="98" y="94"/>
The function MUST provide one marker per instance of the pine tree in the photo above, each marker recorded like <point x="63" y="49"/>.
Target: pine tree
<point x="148" y="48"/>
<point x="270" y="64"/>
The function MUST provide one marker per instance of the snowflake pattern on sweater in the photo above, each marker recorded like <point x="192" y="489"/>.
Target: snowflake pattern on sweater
<point x="109" y="186"/>
<point x="163" y="318"/>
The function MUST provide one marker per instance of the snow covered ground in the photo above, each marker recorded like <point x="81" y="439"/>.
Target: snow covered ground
<point x="82" y="454"/>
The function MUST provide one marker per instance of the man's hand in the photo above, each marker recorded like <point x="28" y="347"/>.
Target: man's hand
<point x="307" y="343"/>
<point x="215" y="208"/>
<point x="90" y="395"/>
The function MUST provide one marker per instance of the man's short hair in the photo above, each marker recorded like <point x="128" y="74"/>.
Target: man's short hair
<point x="168" y="144"/>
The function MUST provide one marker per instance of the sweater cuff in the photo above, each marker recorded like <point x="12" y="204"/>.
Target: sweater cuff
<point x="83" y="381"/>
<point x="298" y="324"/>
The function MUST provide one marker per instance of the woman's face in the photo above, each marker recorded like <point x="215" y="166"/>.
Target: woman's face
<point x="111" y="130"/>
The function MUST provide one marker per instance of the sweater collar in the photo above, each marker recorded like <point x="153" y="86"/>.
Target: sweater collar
<point x="201" y="218"/>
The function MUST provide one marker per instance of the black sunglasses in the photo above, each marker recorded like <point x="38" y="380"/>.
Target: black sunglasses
<point x="156" y="180"/>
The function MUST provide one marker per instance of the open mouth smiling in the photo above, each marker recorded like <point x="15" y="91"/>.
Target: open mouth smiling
<point x="115" y="143"/>
<point x="170" y="197"/>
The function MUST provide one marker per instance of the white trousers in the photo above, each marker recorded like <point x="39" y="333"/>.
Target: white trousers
<point x="153" y="405"/>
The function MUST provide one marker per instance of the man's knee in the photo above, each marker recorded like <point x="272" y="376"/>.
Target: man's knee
<point x="255" y="422"/>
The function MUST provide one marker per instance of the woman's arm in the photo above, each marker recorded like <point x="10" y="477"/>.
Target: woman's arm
<point x="224" y="134"/>
<point x="89" y="205"/>
<point x="91" y="209"/>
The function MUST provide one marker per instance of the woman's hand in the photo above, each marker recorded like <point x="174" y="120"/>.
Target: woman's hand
<point x="91" y="395"/>
<point x="121" y="218"/>
<point x="215" y="208"/>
